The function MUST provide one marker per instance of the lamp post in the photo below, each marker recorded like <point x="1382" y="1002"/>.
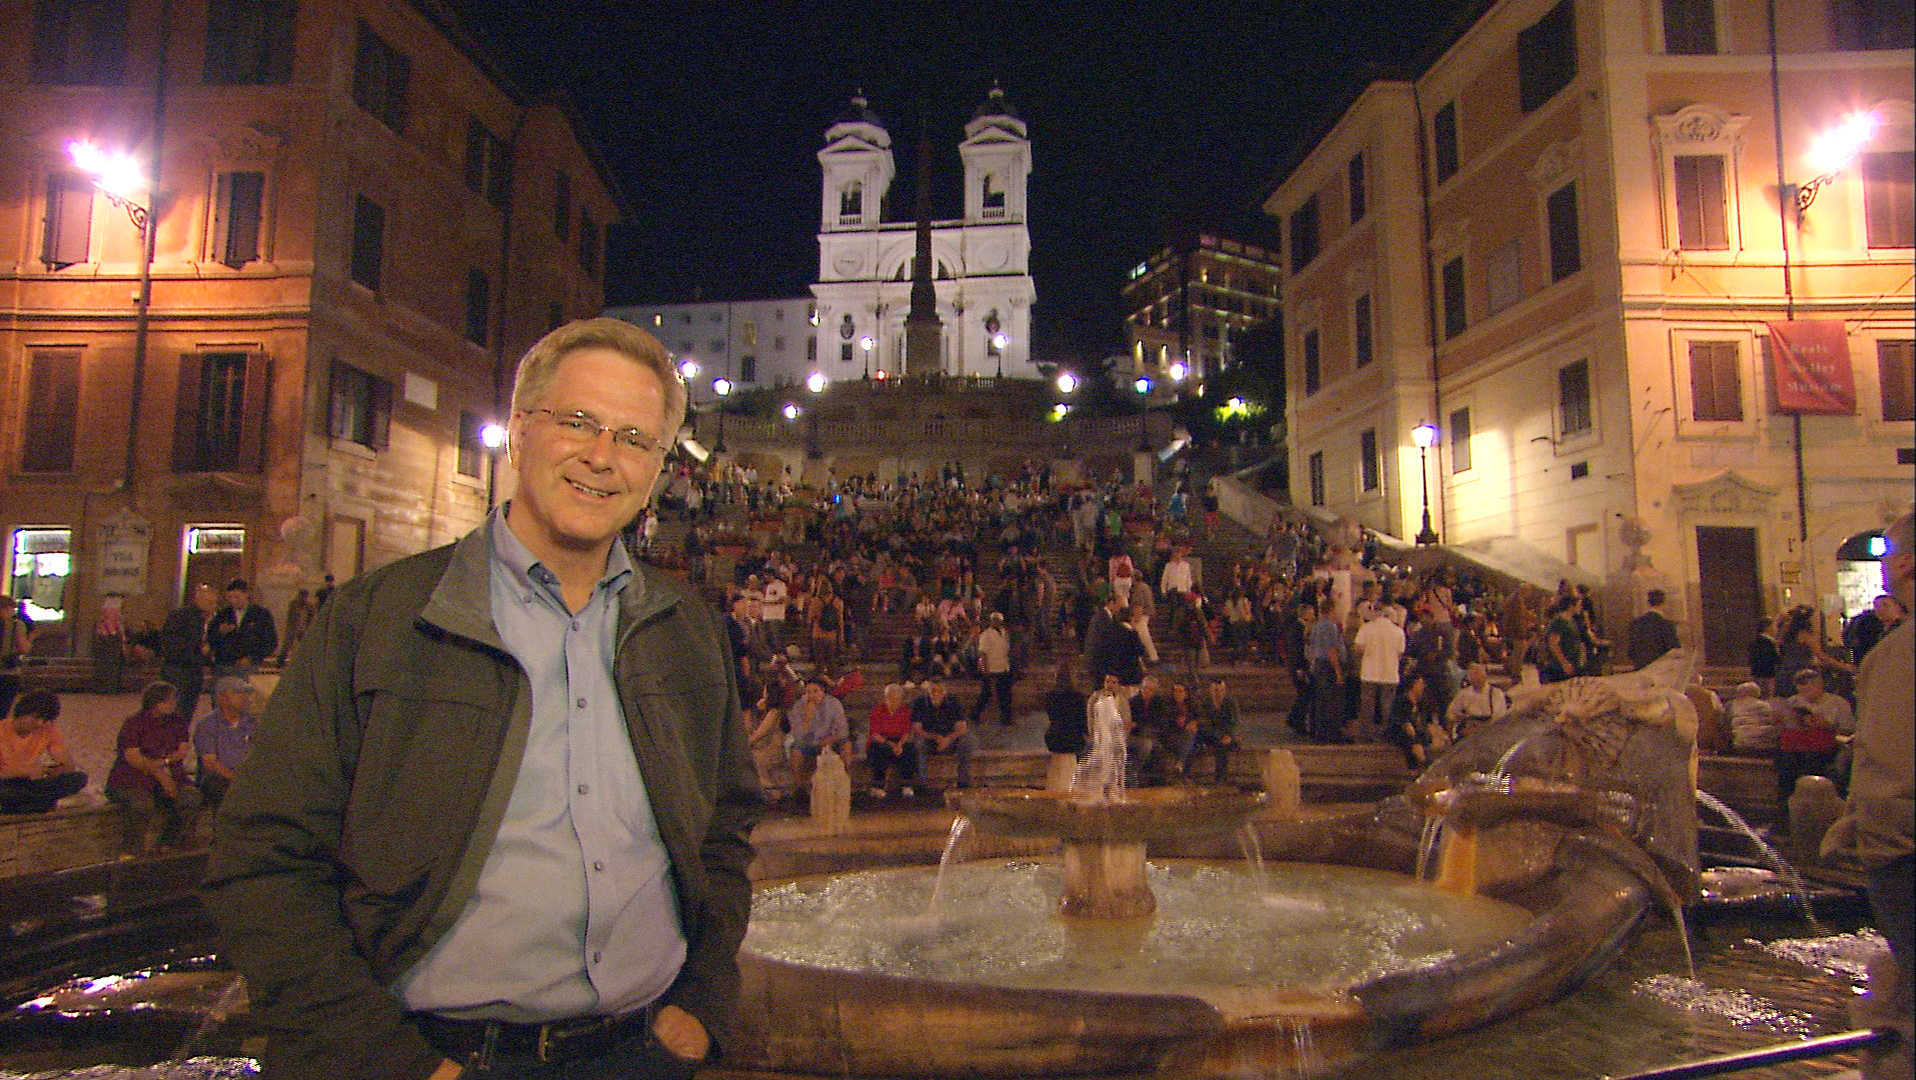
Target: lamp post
<point x="1425" y="436"/>
<point x="114" y="175"/>
<point x="492" y="436"/>
<point x="721" y="389"/>
<point x="867" y="343"/>
<point x="1142" y="384"/>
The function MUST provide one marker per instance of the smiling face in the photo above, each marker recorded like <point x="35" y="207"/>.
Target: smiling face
<point x="574" y="496"/>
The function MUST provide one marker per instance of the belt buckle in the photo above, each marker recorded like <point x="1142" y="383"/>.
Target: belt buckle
<point x="545" y="1043"/>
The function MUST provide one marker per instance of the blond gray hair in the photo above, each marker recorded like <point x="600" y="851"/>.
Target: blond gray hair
<point x="541" y="363"/>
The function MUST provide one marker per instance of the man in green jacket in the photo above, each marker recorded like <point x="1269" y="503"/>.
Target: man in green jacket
<point x="496" y="818"/>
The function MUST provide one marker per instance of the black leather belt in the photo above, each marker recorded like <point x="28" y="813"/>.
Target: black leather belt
<point x="483" y="1042"/>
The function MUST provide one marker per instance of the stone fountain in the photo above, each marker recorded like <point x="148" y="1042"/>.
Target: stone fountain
<point x="1554" y="834"/>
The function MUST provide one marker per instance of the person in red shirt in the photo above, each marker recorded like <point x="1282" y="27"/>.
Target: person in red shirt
<point x="890" y="749"/>
<point x="149" y="773"/>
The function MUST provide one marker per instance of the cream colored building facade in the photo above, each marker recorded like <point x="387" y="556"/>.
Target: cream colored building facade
<point x="1569" y="256"/>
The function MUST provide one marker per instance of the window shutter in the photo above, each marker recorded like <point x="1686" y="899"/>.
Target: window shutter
<point x="186" y="416"/>
<point x="69" y="222"/>
<point x="53" y="393"/>
<point x="252" y="443"/>
<point x="239" y="201"/>
<point x="379" y="423"/>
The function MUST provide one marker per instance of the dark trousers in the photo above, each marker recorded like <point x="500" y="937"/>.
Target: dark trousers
<point x="1890" y="898"/>
<point x="19" y="795"/>
<point x="1327" y="704"/>
<point x="901" y="765"/>
<point x="1220" y="746"/>
<point x="994" y="685"/>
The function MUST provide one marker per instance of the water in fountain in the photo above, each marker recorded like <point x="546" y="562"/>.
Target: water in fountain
<point x="1793" y="882"/>
<point x="960" y="826"/>
<point x="1100" y="776"/>
<point x="1433" y="830"/>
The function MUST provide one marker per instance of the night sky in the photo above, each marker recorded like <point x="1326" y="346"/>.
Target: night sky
<point x="1141" y="115"/>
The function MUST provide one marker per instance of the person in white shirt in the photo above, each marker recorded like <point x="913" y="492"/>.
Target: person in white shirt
<point x="1478" y="701"/>
<point x="772" y="611"/>
<point x="1380" y="651"/>
<point x="1177" y="576"/>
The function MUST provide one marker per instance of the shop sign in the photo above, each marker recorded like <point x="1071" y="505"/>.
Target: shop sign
<point x="1810" y="366"/>
<point x="124" y="542"/>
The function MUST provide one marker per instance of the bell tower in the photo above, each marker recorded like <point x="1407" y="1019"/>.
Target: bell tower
<point x="997" y="156"/>
<point x="857" y="163"/>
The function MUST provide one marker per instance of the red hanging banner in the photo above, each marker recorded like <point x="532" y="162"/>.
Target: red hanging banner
<point x="1810" y="366"/>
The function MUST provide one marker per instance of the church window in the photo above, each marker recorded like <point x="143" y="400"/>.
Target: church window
<point x="851" y="202"/>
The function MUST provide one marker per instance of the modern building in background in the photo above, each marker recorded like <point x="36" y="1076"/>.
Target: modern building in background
<point x="356" y="229"/>
<point x="1658" y="342"/>
<point x="980" y="262"/>
<point x="1193" y="301"/>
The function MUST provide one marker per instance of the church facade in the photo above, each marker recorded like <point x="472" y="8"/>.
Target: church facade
<point x="980" y="262"/>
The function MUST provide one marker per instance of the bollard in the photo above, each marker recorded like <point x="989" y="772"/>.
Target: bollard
<point x="1282" y="781"/>
<point x="831" y="794"/>
<point x="1058" y="774"/>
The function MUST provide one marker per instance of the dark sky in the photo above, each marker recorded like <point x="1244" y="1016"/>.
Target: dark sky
<point x="1141" y="114"/>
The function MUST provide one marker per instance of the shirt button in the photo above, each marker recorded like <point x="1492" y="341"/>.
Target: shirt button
<point x="598" y="865"/>
<point x="575" y="624"/>
<point x="596" y="955"/>
<point x="581" y="703"/>
<point x="585" y="789"/>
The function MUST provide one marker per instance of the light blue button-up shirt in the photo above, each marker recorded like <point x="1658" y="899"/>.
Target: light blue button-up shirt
<point x="574" y="913"/>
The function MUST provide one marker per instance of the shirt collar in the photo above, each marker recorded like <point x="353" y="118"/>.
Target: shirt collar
<point x="527" y="572"/>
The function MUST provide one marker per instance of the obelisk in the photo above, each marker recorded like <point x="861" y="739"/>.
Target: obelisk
<point x="923" y="331"/>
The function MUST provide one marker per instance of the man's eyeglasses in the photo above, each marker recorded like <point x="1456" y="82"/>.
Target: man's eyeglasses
<point x="579" y="427"/>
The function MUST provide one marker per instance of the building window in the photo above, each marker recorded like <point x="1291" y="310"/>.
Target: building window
<point x="1867" y="24"/>
<point x="488" y="164"/>
<point x="1443" y="134"/>
<point x="1455" y="316"/>
<point x="1354" y="177"/>
<point x="561" y="205"/>
<point x="851" y="203"/>
<point x="79" y="42"/>
<point x="844" y="352"/>
<point x="748" y="333"/>
<point x="53" y="396"/>
<point x="1303" y="230"/>
<point x="478" y="307"/>
<point x="1460" y="440"/>
<point x="1317" y="478"/>
<point x="1702" y="203"/>
<point x="1716" y="381"/>
<point x="1503" y="277"/>
<point x="1573" y="399"/>
<point x="1897" y="376"/>
<point x="369" y="241"/>
<point x="1546" y="57"/>
<point x="237" y="201"/>
<point x="249" y="42"/>
<point x="811" y="350"/>
<point x="991" y="197"/>
<point x="1566" y="247"/>
<point x="1369" y="469"/>
<point x="1360" y="329"/>
<point x="69" y="221"/>
<point x="361" y="407"/>
<point x="380" y="75"/>
<point x="748" y="369"/>
<point x="472" y="446"/>
<point x="588" y="243"/>
<point x="42" y="562"/>
<point x="1313" y="363"/>
<point x="1689" y="27"/>
<point x="1890" y="212"/>
<point x="219" y="417"/>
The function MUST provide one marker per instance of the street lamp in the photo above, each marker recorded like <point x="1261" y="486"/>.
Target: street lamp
<point x="1067" y="383"/>
<point x="815" y="382"/>
<point x="1425" y="436"/>
<point x="1831" y="153"/>
<point x="867" y="343"/>
<point x="1142" y="384"/>
<point x="721" y="389"/>
<point x="115" y="174"/>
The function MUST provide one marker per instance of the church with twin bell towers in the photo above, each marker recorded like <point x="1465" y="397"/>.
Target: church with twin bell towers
<point x="971" y="315"/>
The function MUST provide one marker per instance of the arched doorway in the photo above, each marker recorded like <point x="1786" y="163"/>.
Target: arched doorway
<point x="1859" y="571"/>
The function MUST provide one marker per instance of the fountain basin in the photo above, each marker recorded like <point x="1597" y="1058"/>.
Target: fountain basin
<point x="860" y="970"/>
